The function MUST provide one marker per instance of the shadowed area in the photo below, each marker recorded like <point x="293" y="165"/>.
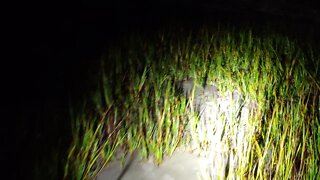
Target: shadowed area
<point x="181" y="165"/>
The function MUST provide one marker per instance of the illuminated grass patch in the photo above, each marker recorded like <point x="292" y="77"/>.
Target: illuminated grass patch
<point x="269" y="127"/>
<point x="224" y="127"/>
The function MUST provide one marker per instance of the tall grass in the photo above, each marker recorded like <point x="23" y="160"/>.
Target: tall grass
<point x="137" y="106"/>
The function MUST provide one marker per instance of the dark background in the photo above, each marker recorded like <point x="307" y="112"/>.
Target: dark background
<point x="57" y="43"/>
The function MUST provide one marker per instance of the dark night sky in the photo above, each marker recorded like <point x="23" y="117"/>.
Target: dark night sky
<point x="62" y="36"/>
<point x="59" y="32"/>
<point x="58" y="40"/>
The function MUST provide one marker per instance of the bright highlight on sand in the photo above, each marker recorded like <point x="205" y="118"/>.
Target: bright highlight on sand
<point x="224" y="127"/>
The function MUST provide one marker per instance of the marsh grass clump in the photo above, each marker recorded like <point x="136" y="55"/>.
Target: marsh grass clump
<point x="224" y="127"/>
<point x="138" y="105"/>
